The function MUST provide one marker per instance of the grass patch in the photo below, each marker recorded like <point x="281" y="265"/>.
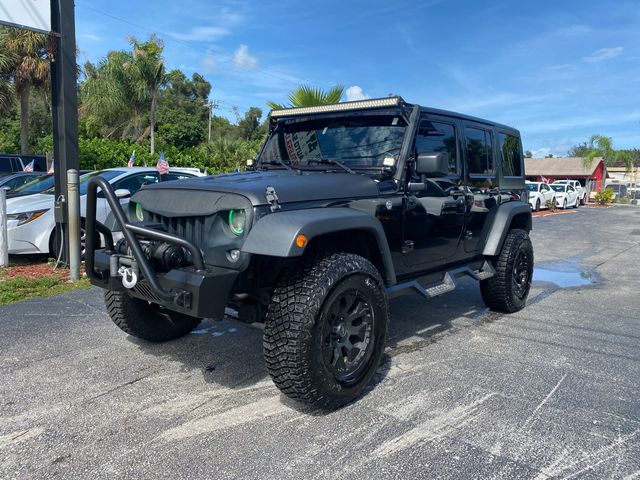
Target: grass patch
<point x="19" y="288"/>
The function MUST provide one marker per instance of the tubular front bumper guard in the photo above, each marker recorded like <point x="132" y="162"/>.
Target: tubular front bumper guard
<point x="182" y="289"/>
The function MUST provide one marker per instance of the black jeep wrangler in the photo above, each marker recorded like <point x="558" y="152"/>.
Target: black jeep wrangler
<point x="346" y="206"/>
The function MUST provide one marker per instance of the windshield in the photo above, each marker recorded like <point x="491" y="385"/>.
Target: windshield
<point x="558" y="188"/>
<point x="84" y="179"/>
<point x="532" y="187"/>
<point x="37" y="185"/>
<point x="362" y="141"/>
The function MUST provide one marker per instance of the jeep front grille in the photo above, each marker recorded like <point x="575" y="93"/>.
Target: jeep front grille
<point x="189" y="228"/>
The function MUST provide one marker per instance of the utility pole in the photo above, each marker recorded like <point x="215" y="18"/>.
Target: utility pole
<point x="64" y="105"/>
<point x="212" y="104"/>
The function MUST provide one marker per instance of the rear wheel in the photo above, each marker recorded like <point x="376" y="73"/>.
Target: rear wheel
<point x="325" y="330"/>
<point x="145" y="320"/>
<point x="564" y="204"/>
<point x="508" y="289"/>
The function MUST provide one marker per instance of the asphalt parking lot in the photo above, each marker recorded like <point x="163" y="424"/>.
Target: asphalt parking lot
<point x="553" y="391"/>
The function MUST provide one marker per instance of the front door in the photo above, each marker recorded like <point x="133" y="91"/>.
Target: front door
<point x="434" y="216"/>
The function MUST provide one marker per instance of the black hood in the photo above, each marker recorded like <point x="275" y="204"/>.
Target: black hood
<point x="290" y="185"/>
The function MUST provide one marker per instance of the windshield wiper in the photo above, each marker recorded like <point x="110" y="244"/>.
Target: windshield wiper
<point x="330" y="161"/>
<point x="275" y="162"/>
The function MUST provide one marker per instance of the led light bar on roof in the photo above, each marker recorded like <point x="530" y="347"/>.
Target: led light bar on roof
<point x="339" y="107"/>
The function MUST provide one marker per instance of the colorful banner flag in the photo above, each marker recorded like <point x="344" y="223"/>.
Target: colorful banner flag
<point x="132" y="159"/>
<point x="29" y="167"/>
<point x="162" y="166"/>
<point x="50" y="168"/>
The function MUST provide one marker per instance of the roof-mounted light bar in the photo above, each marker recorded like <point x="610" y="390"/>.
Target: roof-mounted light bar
<point x="339" y="107"/>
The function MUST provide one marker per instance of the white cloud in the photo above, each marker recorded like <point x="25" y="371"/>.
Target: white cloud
<point x="201" y="34"/>
<point x="243" y="59"/>
<point x="604" y="54"/>
<point x="208" y="63"/>
<point x="355" y="93"/>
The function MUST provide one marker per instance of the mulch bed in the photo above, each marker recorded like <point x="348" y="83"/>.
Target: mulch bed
<point x="546" y="213"/>
<point x="35" y="271"/>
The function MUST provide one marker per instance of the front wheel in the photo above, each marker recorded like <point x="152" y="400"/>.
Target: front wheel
<point x="325" y="330"/>
<point x="508" y="289"/>
<point x="537" y="209"/>
<point x="564" y="204"/>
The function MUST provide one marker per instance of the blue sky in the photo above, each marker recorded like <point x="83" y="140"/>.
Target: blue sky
<point x="558" y="70"/>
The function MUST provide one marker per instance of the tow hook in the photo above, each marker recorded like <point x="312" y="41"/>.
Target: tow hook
<point x="129" y="277"/>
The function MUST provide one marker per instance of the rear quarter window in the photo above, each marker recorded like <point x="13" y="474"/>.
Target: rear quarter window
<point x="511" y="154"/>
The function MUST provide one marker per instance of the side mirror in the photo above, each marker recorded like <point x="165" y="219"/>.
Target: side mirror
<point x="433" y="164"/>
<point x="122" y="193"/>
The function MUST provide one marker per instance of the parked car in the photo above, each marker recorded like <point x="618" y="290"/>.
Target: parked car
<point x="16" y="163"/>
<point x="619" y="190"/>
<point x="539" y="194"/>
<point x="11" y="181"/>
<point x="348" y="205"/>
<point x="580" y="190"/>
<point x="36" y="185"/>
<point x="566" y="195"/>
<point x="31" y="222"/>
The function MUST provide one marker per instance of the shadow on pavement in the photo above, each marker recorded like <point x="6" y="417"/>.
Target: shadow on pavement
<point x="230" y="354"/>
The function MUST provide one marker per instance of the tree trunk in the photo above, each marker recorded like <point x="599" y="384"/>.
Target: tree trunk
<point x="152" y="122"/>
<point x="24" y="120"/>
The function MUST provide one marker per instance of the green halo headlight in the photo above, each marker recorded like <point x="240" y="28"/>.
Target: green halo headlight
<point x="237" y="221"/>
<point x="139" y="212"/>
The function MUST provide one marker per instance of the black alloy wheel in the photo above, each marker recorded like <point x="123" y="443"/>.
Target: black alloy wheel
<point x="522" y="269"/>
<point x="347" y="332"/>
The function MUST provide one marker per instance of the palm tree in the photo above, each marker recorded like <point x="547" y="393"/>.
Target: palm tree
<point x="305" y="96"/>
<point x="150" y="76"/>
<point x="124" y="86"/>
<point x="601" y="146"/>
<point x="25" y="63"/>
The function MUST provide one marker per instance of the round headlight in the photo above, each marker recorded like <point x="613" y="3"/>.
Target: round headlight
<point x="237" y="221"/>
<point x="139" y="212"/>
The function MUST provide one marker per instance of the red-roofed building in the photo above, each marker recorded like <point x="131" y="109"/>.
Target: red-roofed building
<point x="591" y="176"/>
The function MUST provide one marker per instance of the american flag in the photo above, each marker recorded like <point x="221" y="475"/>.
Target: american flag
<point x="132" y="159"/>
<point x="162" y="166"/>
<point x="50" y="168"/>
<point x="544" y="179"/>
<point x="29" y="167"/>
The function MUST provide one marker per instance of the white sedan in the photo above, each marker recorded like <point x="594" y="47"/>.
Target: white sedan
<point x="566" y="195"/>
<point x="539" y="194"/>
<point x="31" y="221"/>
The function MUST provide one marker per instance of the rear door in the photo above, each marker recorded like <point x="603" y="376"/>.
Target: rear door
<point x="481" y="177"/>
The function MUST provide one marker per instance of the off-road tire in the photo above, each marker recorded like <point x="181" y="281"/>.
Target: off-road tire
<point x="297" y="316"/>
<point x="146" y="320"/>
<point x="500" y="291"/>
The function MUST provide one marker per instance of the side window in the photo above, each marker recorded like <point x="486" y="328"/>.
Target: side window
<point x="545" y="187"/>
<point x="511" y="155"/>
<point x="478" y="151"/>
<point x="175" y="176"/>
<point x="135" y="182"/>
<point x="438" y="137"/>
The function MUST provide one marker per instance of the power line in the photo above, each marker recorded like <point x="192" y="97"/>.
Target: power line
<point x="273" y="73"/>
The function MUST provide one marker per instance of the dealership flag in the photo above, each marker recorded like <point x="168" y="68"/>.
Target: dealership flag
<point x="132" y="159"/>
<point x="162" y="166"/>
<point x="50" y="168"/>
<point x="29" y="167"/>
<point x="544" y="179"/>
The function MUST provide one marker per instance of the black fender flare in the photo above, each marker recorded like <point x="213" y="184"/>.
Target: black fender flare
<point x="275" y="234"/>
<point x="498" y="224"/>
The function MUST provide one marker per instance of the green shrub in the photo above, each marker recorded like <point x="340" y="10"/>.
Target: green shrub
<point x="604" y="196"/>
<point x="221" y="155"/>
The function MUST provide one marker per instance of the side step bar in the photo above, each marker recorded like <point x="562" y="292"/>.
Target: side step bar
<point x="447" y="284"/>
